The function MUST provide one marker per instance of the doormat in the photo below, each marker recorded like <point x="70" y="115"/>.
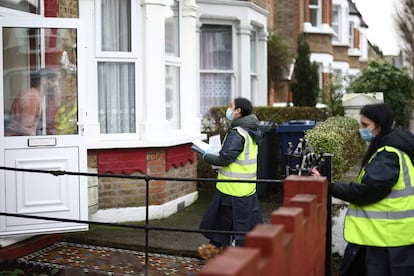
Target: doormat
<point x="74" y="257"/>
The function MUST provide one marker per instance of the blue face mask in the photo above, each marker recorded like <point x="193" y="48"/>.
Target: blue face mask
<point x="229" y="114"/>
<point x="366" y="134"/>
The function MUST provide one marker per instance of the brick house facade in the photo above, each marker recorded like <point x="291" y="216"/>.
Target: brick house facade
<point x="335" y="31"/>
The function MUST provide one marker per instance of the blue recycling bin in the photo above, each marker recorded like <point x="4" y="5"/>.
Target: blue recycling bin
<point x="292" y="131"/>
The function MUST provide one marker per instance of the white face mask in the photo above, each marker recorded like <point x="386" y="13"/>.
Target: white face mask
<point x="229" y="114"/>
<point x="366" y="134"/>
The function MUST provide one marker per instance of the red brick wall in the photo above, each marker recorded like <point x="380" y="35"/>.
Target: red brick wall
<point x="292" y="244"/>
<point x="178" y="161"/>
<point x="288" y="20"/>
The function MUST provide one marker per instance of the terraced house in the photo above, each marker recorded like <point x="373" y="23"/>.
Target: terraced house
<point x="132" y="81"/>
<point x="335" y="32"/>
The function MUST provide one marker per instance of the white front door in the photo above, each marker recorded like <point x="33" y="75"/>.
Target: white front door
<point x="39" y="85"/>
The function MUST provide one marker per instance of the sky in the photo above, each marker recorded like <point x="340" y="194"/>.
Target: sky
<point x="378" y="15"/>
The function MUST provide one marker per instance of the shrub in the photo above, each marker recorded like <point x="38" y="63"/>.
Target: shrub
<point x="338" y="136"/>
<point x="279" y="58"/>
<point x="305" y="80"/>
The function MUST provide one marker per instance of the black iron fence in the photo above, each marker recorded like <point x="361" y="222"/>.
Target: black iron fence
<point x="147" y="227"/>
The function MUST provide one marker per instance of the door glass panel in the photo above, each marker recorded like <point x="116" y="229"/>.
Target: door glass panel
<point x="58" y="9"/>
<point x="25" y="6"/>
<point x="40" y="81"/>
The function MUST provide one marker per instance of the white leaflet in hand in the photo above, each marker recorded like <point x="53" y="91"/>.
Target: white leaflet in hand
<point x="201" y="144"/>
<point x="215" y="144"/>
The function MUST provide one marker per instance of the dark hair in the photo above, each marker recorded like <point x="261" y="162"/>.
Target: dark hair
<point x="36" y="76"/>
<point x="381" y="114"/>
<point x="245" y="106"/>
<point x="35" y="79"/>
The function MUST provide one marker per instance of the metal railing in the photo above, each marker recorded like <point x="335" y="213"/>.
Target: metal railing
<point x="327" y="171"/>
<point x="147" y="178"/>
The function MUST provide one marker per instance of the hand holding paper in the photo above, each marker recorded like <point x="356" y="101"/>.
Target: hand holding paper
<point x="200" y="146"/>
<point x="213" y="147"/>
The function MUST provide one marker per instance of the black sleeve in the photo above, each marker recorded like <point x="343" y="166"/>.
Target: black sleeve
<point x="381" y="175"/>
<point x="232" y="147"/>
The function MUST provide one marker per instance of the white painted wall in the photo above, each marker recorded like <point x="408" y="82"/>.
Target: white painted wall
<point x="338" y="242"/>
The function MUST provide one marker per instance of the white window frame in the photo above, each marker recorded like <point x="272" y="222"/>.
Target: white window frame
<point x="253" y="52"/>
<point x="318" y="9"/>
<point x="230" y="72"/>
<point x="121" y="57"/>
<point x="336" y="23"/>
<point x="134" y="33"/>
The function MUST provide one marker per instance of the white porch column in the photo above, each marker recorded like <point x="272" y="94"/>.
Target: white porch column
<point x="190" y="100"/>
<point x="154" y="126"/>
<point x="244" y="85"/>
<point x="261" y="97"/>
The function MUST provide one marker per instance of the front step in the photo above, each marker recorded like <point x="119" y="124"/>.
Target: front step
<point x="28" y="246"/>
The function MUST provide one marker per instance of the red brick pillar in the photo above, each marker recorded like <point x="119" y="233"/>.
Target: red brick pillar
<point x="156" y="167"/>
<point x="234" y="261"/>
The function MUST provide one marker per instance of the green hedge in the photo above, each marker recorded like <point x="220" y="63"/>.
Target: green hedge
<point x="338" y="136"/>
<point x="216" y="123"/>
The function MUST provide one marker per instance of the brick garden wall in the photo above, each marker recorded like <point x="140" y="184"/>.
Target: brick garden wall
<point x="294" y="243"/>
<point x="178" y="161"/>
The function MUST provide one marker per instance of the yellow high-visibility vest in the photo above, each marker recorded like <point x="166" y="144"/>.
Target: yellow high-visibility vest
<point x="390" y="221"/>
<point x="244" y="168"/>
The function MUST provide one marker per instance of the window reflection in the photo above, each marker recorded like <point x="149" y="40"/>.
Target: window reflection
<point x="57" y="9"/>
<point x="40" y="81"/>
<point x="25" y="6"/>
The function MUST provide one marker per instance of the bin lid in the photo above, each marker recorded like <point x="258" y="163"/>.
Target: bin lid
<point x="266" y="126"/>
<point x="301" y="122"/>
<point x="296" y="126"/>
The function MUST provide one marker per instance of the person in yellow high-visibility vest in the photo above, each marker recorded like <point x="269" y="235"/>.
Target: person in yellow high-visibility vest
<point x="379" y="224"/>
<point x="235" y="206"/>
